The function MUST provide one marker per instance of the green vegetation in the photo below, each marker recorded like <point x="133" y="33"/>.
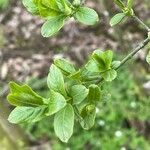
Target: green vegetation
<point x="3" y="4"/>
<point x="112" y="130"/>
<point x="75" y="93"/>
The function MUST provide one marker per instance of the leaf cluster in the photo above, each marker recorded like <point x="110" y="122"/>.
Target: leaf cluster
<point x="127" y="11"/>
<point x="74" y="94"/>
<point x="56" y="12"/>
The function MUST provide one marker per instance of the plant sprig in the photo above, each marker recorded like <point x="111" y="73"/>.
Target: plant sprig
<point x="56" y="12"/>
<point x="74" y="93"/>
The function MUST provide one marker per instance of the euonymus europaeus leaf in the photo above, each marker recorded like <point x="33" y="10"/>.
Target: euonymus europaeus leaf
<point x="116" y="64"/>
<point x="148" y="58"/>
<point x="55" y="80"/>
<point x="70" y="91"/>
<point x="120" y="4"/>
<point x="130" y="4"/>
<point x="109" y="75"/>
<point x="62" y="5"/>
<point x="46" y="11"/>
<point x="64" y="122"/>
<point x="88" y="114"/>
<point x="23" y="96"/>
<point x="55" y="103"/>
<point x="57" y="11"/>
<point x="103" y="59"/>
<point x="92" y="65"/>
<point x="31" y="6"/>
<point x="94" y="94"/>
<point x="86" y="15"/>
<point x="52" y="26"/>
<point x="88" y="74"/>
<point x="76" y="2"/>
<point x="78" y="93"/>
<point x="65" y="66"/>
<point x="117" y="19"/>
<point x="75" y="75"/>
<point x="27" y="114"/>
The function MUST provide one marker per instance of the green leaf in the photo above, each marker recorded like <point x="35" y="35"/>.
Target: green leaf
<point x="76" y="75"/>
<point x="53" y="8"/>
<point x="148" y="58"/>
<point x="62" y="5"/>
<point x="47" y="12"/>
<point x="104" y="59"/>
<point x="23" y="96"/>
<point x="55" y="80"/>
<point x="64" y="122"/>
<point x="116" y="64"/>
<point x="52" y="26"/>
<point x="31" y="7"/>
<point x="109" y="75"/>
<point x="130" y="4"/>
<point x="87" y="74"/>
<point x="88" y="114"/>
<point x="65" y="66"/>
<point x="76" y="2"/>
<point x="94" y="93"/>
<point x="117" y="19"/>
<point x="78" y="93"/>
<point x="52" y="4"/>
<point x="26" y="114"/>
<point x="86" y="15"/>
<point x="92" y="66"/>
<point x="56" y="102"/>
<point x="120" y="4"/>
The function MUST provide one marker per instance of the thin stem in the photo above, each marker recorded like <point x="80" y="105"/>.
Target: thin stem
<point x="137" y="49"/>
<point x="142" y="23"/>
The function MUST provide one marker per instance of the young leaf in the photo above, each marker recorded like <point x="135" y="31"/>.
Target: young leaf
<point x="120" y="4"/>
<point x="109" y="75"/>
<point x="76" y="2"/>
<point x="104" y="59"/>
<point x="87" y="75"/>
<point x="78" y="93"/>
<point x="62" y="5"/>
<point x="31" y="7"/>
<point x="148" y="58"/>
<point x="27" y="114"/>
<point x="94" y="93"/>
<point x="47" y="12"/>
<point x="76" y="75"/>
<point x="117" y="19"/>
<point x="86" y="15"/>
<point x="52" y="4"/>
<point x="23" y="96"/>
<point x="56" y="102"/>
<point x="92" y="66"/>
<point x="115" y="64"/>
<point x="130" y="4"/>
<point x="64" y="122"/>
<point x="88" y="114"/>
<point x="52" y="26"/>
<point x="55" y="80"/>
<point x="65" y="66"/>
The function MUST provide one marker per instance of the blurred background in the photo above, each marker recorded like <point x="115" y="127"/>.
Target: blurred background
<point x="123" y="118"/>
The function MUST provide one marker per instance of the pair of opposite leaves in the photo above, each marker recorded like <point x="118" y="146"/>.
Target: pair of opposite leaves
<point x="56" y="12"/>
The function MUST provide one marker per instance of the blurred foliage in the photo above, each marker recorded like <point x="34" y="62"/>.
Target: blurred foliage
<point x="112" y="129"/>
<point x="3" y="4"/>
